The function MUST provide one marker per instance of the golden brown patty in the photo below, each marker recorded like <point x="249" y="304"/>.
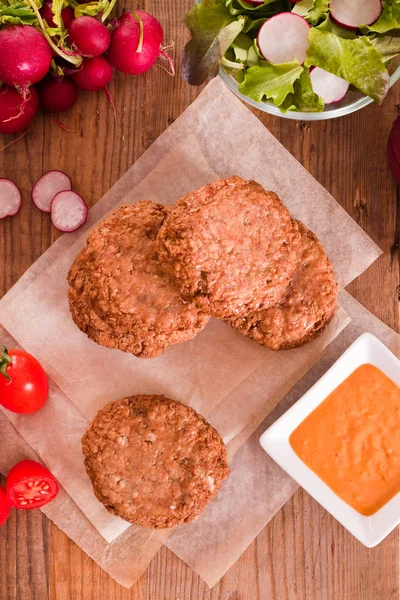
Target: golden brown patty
<point x="118" y="294"/>
<point x="306" y="307"/>
<point x="230" y="246"/>
<point x="153" y="461"/>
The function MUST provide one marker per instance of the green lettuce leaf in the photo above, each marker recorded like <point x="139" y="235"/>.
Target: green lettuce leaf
<point x="357" y="61"/>
<point x="269" y="8"/>
<point x="303" y="97"/>
<point x="389" y="19"/>
<point x="312" y="10"/>
<point x="17" y="14"/>
<point x="271" y="82"/>
<point x="332" y="27"/>
<point x="213" y="30"/>
<point x="388" y="45"/>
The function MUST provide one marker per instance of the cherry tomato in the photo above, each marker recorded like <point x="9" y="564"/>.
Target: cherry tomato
<point x="4" y="506"/>
<point x="24" y="387"/>
<point x="30" y="485"/>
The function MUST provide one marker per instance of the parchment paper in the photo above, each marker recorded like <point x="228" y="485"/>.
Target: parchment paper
<point x="231" y="523"/>
<point x="228" y="378"/>
<point x="255" y="491"/>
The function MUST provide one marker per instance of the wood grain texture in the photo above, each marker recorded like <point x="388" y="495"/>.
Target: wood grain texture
<point x="303" y="554"/>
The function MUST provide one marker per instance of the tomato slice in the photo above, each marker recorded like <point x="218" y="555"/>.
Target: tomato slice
<point x="30" y="485"/>
<point x="4" y="506"/>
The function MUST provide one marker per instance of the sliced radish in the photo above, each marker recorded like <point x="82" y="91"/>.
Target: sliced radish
<point x="68" y="211"/>
<point x="328" y="86"/>
<point x="352" y="14"/>
<point x="10" y="198"/>
<point x="283" y="38"/>
<point x="255" y="2"/>
<point x="47" y="187"/>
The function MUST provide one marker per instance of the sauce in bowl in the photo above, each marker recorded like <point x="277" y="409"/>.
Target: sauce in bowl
<point x="352" y="440"/>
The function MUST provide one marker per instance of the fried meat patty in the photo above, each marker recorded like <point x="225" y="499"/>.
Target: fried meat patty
<point x="305" y="308"/>
<point x="119" y="296"/>
<point x="230" y="246"/>
<point x="153" y="461"/>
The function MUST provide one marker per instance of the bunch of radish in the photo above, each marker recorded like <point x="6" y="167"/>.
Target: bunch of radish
<point x="62" y="52"/>
<point x="53" y="194"/>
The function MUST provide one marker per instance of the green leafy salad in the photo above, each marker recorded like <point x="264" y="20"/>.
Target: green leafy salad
<point x="299" y="56"/>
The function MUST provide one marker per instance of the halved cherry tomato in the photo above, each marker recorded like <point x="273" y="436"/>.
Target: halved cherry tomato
<point x="24" y="387"/>
<point x="4" y="506"/>
<point x="30" y="485"/>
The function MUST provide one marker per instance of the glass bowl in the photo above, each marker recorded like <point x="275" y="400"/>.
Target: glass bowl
<point x="353" y="100"/>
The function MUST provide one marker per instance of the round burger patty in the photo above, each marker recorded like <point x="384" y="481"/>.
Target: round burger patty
<point x="119" y="296"/>
<point x="153" y="461"/>
<point x="230" y="246"/>
<point x="306" y="307"/>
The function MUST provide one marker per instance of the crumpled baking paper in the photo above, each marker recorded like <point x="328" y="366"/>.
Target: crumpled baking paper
<point x="229" y="379"/>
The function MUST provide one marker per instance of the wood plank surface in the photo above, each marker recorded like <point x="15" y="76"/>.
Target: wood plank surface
<point x="303" y="553"/>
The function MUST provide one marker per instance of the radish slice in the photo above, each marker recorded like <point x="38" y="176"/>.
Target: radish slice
<point x="10" y="198"/>
<point x="68" y="211"/>
<point x="47" y="187"/>
<point x="255" y="2"/>
<point x="330" y="87"/>
<point x="355" y="13"/>
<point x="283" y="38"/>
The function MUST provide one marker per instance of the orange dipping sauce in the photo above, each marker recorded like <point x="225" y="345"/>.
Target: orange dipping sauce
<point x="352" y="440"/>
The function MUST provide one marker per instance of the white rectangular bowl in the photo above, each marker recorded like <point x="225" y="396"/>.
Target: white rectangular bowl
<point x="367" y="349"/>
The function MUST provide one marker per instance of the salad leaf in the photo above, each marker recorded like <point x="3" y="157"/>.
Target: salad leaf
<point x="303" y="97"/>
<point x="388" y="45"/>
<point x="389" y="19"/>
<point x="357" y="61"/>
<point x="253" y="25"/>
<point x="241" y="46"/>
<point x="269" y="8"/>
<point x="312" y="10"/>
<point x="17" y="14"/>
<point x="213" y="30"/>
<point x="273" y="82"/>
<point x="332" y="27"/>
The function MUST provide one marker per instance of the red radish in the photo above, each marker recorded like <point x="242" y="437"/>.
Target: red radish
<point x="284" y="38"/>
<point x="12" y="118"/>
<point x="94" y="74"/>
<point x="25" y="55"/>
<point x="355" y="13"/>
<point x="88" y="36"/>
<point x="10" y="198"/>
<point x="328" y="86"/>
<point x="57" y="96"/>
<point x="393" y="150"/>
<point x="47" y="187"/>
<point x="68" y="211"/>
<point x="136" y="43"/>
<point x="67" y="15"/>
<point x="256" y="2"/>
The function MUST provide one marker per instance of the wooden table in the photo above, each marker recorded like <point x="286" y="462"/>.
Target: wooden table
<point x="303" y="553"/>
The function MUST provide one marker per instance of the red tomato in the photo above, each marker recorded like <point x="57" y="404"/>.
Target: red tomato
<point x="23" y="383"/>
<point x="30" y="485"/>
<point x="4" y="506"/>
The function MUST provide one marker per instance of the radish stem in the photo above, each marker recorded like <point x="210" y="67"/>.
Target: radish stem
<point x="140" y="44"/>
<point x="75" y="60"/>
<point x="107" y="12"/>
<point x="164" y="54"/>
<point x="13" y="141"/>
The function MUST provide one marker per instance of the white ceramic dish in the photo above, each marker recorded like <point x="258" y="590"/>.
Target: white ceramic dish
<point x="275" y="441"/>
